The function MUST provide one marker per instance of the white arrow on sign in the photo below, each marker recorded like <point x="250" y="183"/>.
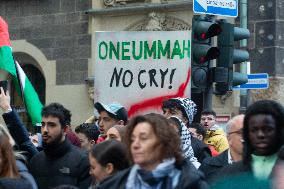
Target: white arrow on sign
<point x="203" y="4"/>
<point x="228" y="4"/>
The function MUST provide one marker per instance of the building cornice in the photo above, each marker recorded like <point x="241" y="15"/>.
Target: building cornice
<point x="142" y="8"/>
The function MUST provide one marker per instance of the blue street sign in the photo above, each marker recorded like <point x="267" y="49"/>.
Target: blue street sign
<point x="216" y="7"/>
<point x="255" y="81"/>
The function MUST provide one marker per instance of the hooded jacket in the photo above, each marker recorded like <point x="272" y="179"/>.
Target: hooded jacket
<point x="217" y="138"/>
<point x="24" y="172"/>
<point x="12" y="183"/>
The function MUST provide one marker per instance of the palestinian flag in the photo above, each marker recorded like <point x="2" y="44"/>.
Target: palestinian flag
<point x="23" y="85"/>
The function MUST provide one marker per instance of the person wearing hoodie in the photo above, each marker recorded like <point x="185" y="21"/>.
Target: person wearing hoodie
<point x="215" y="136"/>
<point x="263" y="137"/>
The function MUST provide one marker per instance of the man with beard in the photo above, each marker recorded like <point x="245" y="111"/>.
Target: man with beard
<point x="59" y="162"/>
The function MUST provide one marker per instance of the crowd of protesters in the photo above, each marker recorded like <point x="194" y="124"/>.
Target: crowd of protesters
<point x="151" y="151"/>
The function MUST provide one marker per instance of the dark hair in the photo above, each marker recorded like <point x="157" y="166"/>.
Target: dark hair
<point x="267" y="107"/>
<point x="59" y="111"/>
<point x="208" y="112"/>
<point x="73" y="138"/>
<point x="199" y="129"/>
<point x="174" y="103"/>
<point x="8" y="162"/>
<point x="121" y="114"/>
<point x="167" y="136"/>
<point x="176" y="122"/>
<point x="89" y="129"/>
<point x="111" y="151"/>
<point x="121" y="129"/>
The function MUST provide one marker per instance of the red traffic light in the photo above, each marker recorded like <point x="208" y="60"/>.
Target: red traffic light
<point x="203" y="29"/>
<point x="203" y="53"/>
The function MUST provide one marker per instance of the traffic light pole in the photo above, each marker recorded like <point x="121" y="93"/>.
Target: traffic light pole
<point x="204" y="28"/>
<point x="243" y="43"/>
<point x="207" y="96"/>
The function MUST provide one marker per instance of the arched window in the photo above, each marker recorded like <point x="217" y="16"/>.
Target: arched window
<point x="37" y="80"/>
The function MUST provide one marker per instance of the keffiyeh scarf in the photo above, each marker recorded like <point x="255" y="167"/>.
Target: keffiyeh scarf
<point x="185" y="137"/>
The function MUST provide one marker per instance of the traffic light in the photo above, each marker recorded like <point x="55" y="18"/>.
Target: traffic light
<point x="203" y="29"/>
<point x="224" y="76"/>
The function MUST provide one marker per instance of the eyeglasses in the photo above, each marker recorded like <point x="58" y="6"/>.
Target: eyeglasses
<point x="239" y="132"/>
<point x="207" y="118"/>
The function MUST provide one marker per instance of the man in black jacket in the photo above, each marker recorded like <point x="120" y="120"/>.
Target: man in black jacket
<point x="211" y="166"/>
<point x="59" y="162"/>
<point x="201" y="150"/>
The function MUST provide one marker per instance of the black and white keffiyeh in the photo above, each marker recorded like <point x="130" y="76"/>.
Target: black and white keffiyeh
<point x="185" y="137"/>
<point x="189" y="107"/>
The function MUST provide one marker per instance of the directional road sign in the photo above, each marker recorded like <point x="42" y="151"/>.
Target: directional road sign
<point x="255" y="81"/>
<point x="216" y="7"/>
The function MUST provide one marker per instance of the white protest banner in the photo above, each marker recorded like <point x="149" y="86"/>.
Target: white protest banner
<point x="141" y="69"/>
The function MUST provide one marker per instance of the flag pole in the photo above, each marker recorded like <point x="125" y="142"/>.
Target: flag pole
<point x="22" y="91"/>
<point x="30" y="101"/>
<point x="19" y="81"/>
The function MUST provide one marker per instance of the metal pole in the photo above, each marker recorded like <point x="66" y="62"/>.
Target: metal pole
<point x="207" y="96"/>
<point x="243" y="43"/>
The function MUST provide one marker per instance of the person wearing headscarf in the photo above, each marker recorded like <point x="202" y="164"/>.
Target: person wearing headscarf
<point x="183" y="109"/>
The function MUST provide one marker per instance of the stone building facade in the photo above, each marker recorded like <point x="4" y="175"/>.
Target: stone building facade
<point x="266" y="23"/>
<point x="51" y="38"/>
<point x="56" y="38"/>
<point x="154" y="15"/>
